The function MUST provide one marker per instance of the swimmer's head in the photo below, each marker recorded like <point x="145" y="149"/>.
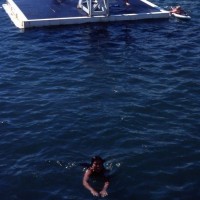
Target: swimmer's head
<point x="97" y="159"/>
<point x="97" y="164"/>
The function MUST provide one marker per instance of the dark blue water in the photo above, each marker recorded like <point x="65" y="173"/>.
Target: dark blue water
<point x="129" y="92"/>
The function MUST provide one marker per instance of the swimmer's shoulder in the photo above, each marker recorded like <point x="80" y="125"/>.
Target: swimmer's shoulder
<point x="89" y="171"/>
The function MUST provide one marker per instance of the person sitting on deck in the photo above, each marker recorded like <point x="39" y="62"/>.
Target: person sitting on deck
<point x="96" y="169"/>
<point x="177" y="10"/>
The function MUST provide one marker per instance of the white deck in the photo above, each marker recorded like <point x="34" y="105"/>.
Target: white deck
<point x="19" y="13"/>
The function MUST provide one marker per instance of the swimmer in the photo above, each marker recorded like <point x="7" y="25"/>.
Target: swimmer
<point x="96" y="169"/>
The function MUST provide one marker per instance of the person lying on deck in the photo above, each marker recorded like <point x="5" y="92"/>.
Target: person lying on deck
<point x="177" y="10"/>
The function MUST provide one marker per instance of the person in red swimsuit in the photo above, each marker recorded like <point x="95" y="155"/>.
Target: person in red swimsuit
<point x="96" y="169"/>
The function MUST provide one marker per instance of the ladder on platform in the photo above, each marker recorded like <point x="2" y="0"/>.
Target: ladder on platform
<point x="94" y="7"/>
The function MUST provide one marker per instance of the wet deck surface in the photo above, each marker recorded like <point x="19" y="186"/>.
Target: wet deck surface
<point x="44" y="9"/>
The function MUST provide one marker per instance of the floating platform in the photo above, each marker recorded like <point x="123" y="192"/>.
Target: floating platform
<point x="39" y="13"/>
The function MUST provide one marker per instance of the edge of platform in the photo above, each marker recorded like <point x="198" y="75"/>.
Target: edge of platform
<point x="20" y="20"/>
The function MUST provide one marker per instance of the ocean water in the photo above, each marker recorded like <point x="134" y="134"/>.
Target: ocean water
<point x="127" y="91"/>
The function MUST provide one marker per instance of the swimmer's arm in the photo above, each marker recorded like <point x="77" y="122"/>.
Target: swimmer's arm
<point x="103" y="192"/>
<point x="87" y="185"/>
<point x="106" y="185"/>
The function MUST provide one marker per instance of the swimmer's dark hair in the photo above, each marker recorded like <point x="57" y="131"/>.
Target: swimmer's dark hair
<point x="97" y="158"/>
